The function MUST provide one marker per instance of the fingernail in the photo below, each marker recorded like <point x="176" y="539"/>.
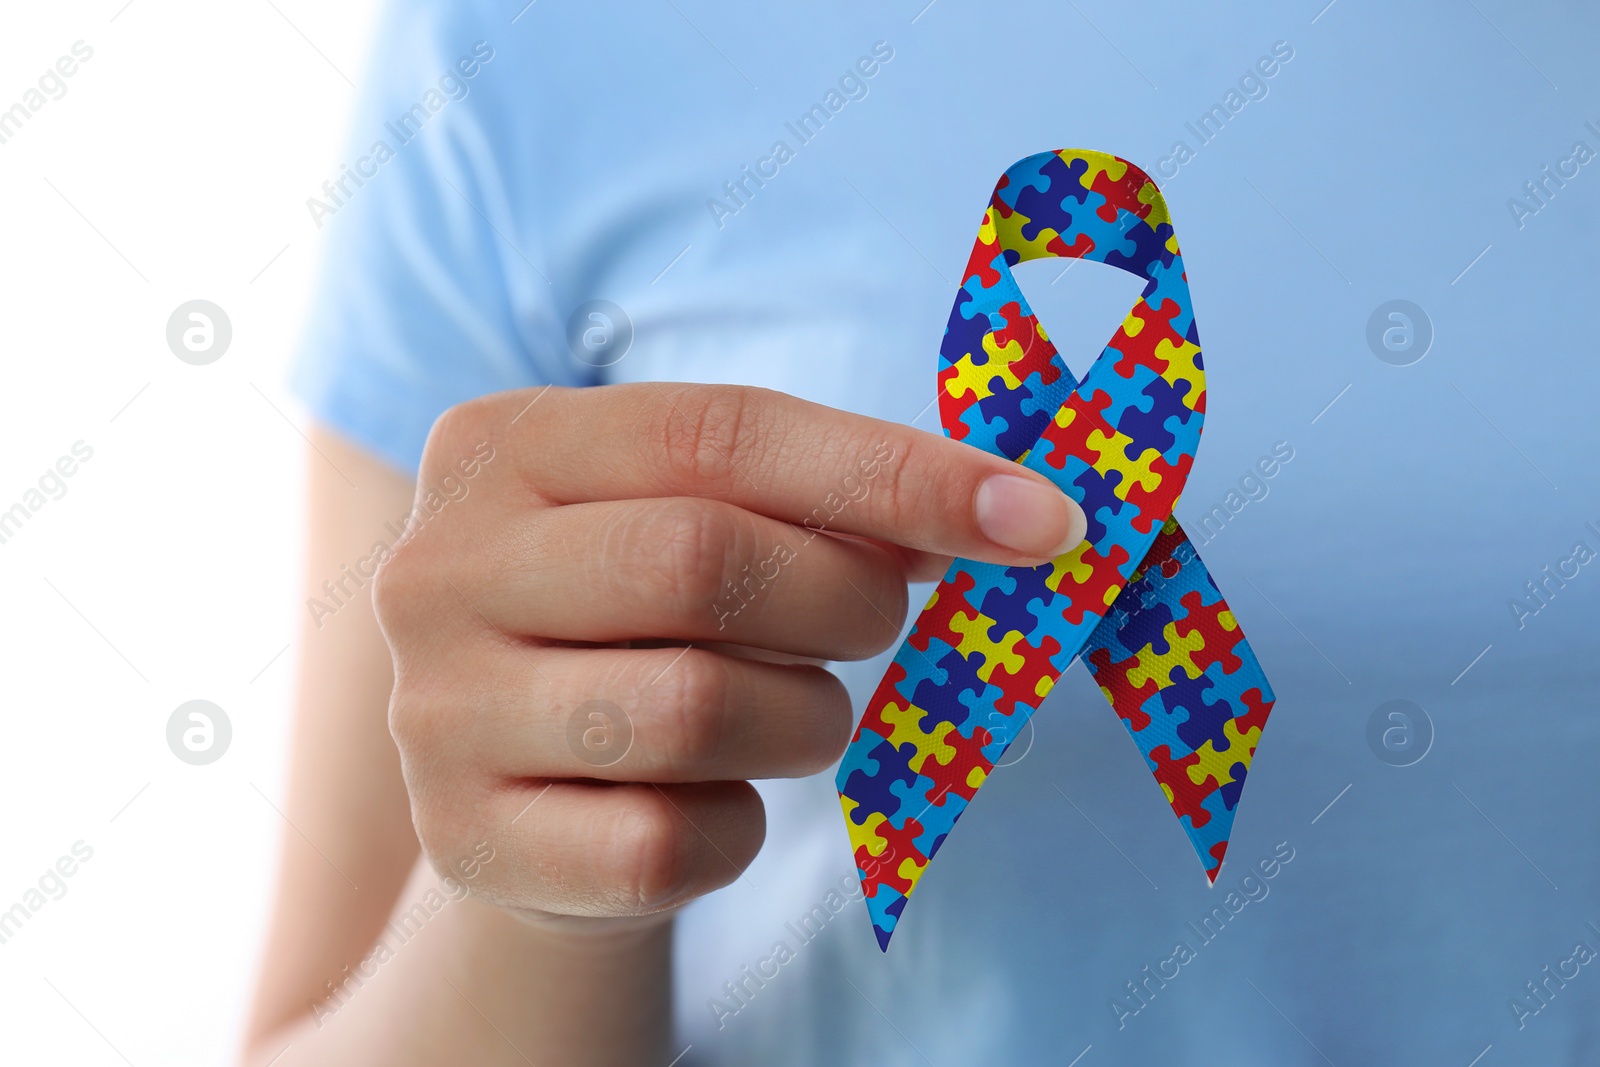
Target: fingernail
<point x="1027" y="516"/>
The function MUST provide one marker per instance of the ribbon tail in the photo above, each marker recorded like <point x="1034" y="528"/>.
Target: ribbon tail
<point x="1179" y="673"/>
<point x="949" y="706"/>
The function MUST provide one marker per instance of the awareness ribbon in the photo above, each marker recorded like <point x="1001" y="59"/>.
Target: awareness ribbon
<point x="1133" y="600"/>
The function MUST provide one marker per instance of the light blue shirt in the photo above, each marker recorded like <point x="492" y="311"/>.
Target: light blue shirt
<point x="784" y="195"/>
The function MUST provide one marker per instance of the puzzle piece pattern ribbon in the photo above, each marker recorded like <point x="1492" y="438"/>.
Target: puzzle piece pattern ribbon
<point x="1134" y="601"/>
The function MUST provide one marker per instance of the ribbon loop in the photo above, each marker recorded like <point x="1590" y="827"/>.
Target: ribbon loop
<point x="1134" y="601"/>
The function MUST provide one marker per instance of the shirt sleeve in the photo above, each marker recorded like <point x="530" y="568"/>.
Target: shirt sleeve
<point x="430" y="292"/>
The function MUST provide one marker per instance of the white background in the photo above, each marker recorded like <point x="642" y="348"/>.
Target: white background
<point x="175" y="167"/>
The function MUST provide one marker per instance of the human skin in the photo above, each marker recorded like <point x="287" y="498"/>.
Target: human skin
<point x="585" y="560"/>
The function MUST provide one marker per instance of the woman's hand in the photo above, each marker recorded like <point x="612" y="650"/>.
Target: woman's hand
<point x="586" y="614"/>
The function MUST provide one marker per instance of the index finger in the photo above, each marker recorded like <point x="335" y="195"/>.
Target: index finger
<point x="790" y="459"/>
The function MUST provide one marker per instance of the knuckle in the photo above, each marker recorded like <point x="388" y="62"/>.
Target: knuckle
<point x="458" y="428"/>
<point x="440" y="819"/>
<point x="461" y="441"/>
<point x="406" y="590"/>
<point x="649" y="850"/>
<point x="695" y="709"/>
<point x="405" y="718"/>
<point x="897" y="493"/>
<point x="420" y="730"/>
<point x="701" y="432"/>
<point x="395" y="587"/>
<point x="685" y="548"/>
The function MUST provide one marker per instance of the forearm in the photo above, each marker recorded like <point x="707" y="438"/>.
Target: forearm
<point x="473" y="984"/>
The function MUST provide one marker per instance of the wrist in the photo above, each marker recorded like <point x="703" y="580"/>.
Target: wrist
<point x="592" y="937"/>
<point x="603" y="986"/>
<point x="591" y="933"/>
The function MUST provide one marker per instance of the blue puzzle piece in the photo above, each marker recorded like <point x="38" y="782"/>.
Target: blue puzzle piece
<point x="1230" y="790"/>
<point x="1149" y="422"/>
<point x="874" y="792"/>
<point x="1143" y="623"/>
<point x="981" y="432"/>
<point x="1205" y="712"/>
<point x="964" y="333"/>
<point x="1009" y="608"/>
<point x="943" y="702"/>
<point x="1098" y="490"/>
<point x="1149" y="249"/>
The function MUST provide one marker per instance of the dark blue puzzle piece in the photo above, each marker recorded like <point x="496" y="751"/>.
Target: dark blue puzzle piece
<point x="1147" y="426"/>
<point x="943" y="702"/>
<point x="1010" y="610"/>
<point x="1149" y="249"/>
<point x="1205" y="718"/>
<point x="1099" y="491"/>
<point x="872" y="790"/>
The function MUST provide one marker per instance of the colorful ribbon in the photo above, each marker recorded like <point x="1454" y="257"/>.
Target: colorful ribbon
<point x="1134" y="600"/>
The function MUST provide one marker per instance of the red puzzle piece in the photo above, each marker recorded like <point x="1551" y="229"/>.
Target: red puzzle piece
<point x="884" y="868"/>
<point x="1139" y="350"/>
<point x="1126" y="698"/>
<point x="1122" y="193"/>
<point x="935" y="618"/>
<point x="1036" y="667"/>
<point x="1090" y="595"/>
<point x="1187" y="797"/>
<point x="1073" y="439"/>
<point x="1219" y="640"/>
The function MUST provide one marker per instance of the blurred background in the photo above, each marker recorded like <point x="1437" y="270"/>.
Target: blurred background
<point x="174" y="167"/>
<point x="1419" y="343"/>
